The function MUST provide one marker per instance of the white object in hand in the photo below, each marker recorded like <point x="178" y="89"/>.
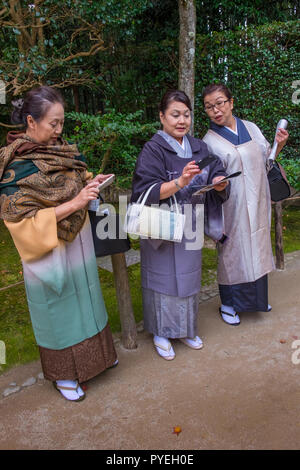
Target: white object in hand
<point x="282" y="124"/>
<point x="106" y="182"/>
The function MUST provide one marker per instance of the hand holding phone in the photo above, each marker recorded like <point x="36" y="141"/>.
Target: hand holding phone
<point x="209" y="187"/>
<point x="206" y="161"/>
<point x="106" y="182"/>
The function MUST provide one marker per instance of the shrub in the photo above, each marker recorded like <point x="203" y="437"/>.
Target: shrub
<point x="111" y="142"/>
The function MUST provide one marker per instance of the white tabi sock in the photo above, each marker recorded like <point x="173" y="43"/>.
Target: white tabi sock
<point x="70" y="394"/>
<point x="227" y="313"/>
<point x="227" y="309"/>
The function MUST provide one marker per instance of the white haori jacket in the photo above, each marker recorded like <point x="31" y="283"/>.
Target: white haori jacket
<point x="247" y="253"/>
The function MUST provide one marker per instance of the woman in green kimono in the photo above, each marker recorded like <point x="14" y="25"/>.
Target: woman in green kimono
<point x="44" y="192"/>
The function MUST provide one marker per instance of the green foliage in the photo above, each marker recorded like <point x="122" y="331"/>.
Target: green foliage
<point x="111" y="141"/>
<point x="56" y="42"/>
<point x="252" y="45"/>
<point x="15" y="324"/>
<point x="224" y="15"/>
<point x="259" y="65"/>
<point x="292" y="170"/>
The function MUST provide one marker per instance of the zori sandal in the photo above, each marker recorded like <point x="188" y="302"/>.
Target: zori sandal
<point x="164" y="348"/>
<point x="69" y="392"/>
<point x="230" y="318"/>
<point x="194" y="343"/>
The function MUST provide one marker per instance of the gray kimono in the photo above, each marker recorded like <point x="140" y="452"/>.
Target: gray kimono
<point x="171" y="273"/>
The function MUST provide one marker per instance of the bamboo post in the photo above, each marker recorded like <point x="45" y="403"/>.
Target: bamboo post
<point x="129" y="333"/>
<point x="278" y="235"/>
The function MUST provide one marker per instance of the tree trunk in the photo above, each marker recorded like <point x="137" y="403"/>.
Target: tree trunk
<point x="107" y="155"/>
<point x="85" y="101"/>
<point x="129" y="333"/>
<point x="93" y="103"/>
<point x="76" y="99"/>
<point x="278" y="236"/>
<point x="100" y="104"/>
<point x="187" y="41"/>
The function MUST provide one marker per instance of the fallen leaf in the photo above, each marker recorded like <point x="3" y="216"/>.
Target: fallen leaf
<point x="283" y="341"/>
<point x="295" y="337"/>
<point x="177" y="430"/>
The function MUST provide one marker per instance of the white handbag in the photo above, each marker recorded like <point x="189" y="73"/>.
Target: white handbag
<point x="154" y="222"/>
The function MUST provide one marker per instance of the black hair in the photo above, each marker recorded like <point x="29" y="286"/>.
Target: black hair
<point x="174" y="95"/>
<point x="36" y="103"/>
<point x="217" y="87"/>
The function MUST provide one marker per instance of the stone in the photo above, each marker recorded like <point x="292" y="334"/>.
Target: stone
<point x="212" y="293"/>
<point x="29" y="382"/>
<point x="204" y="297"/>
<point x="40" y="378"/>
<point x="10" y="391"/>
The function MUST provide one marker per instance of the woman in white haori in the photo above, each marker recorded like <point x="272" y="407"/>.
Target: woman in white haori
<point x="245" y="258"/>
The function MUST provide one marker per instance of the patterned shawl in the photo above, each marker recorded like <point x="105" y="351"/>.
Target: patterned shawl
<point x="36" y="176"/>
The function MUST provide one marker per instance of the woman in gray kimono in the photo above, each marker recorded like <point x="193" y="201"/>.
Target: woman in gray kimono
<point x="246" y="257"/>
<point x="171" y="272"/>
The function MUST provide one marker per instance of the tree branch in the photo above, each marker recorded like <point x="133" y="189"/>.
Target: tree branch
<point x="11" y="126"/>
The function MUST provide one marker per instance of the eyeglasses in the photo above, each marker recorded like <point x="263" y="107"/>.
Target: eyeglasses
<point x="219" y="105"/>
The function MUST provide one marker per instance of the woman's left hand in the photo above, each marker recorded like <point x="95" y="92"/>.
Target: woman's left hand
<point x="221" y="186"/>
<point x="281" y="138"/>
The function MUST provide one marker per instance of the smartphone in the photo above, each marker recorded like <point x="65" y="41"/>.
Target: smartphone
<point x="206" y="161"/>
<point x="106" y="182"/>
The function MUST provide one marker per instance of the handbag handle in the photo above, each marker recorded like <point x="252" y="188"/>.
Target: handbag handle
<point x="143" y="201"/>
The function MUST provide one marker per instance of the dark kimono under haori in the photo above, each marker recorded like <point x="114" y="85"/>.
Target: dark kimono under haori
<point x="171" y="273"/>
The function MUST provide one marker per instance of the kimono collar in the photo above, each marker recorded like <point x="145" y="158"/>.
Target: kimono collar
<point x="185" y="152"/>
<point x="243" y="134"/>
<point x="195" y="144"/>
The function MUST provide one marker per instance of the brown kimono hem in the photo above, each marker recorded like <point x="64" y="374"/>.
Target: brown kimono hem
<point x="82" y="361"/>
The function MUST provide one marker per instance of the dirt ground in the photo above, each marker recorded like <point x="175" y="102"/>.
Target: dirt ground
<point x="241" y="391"/>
